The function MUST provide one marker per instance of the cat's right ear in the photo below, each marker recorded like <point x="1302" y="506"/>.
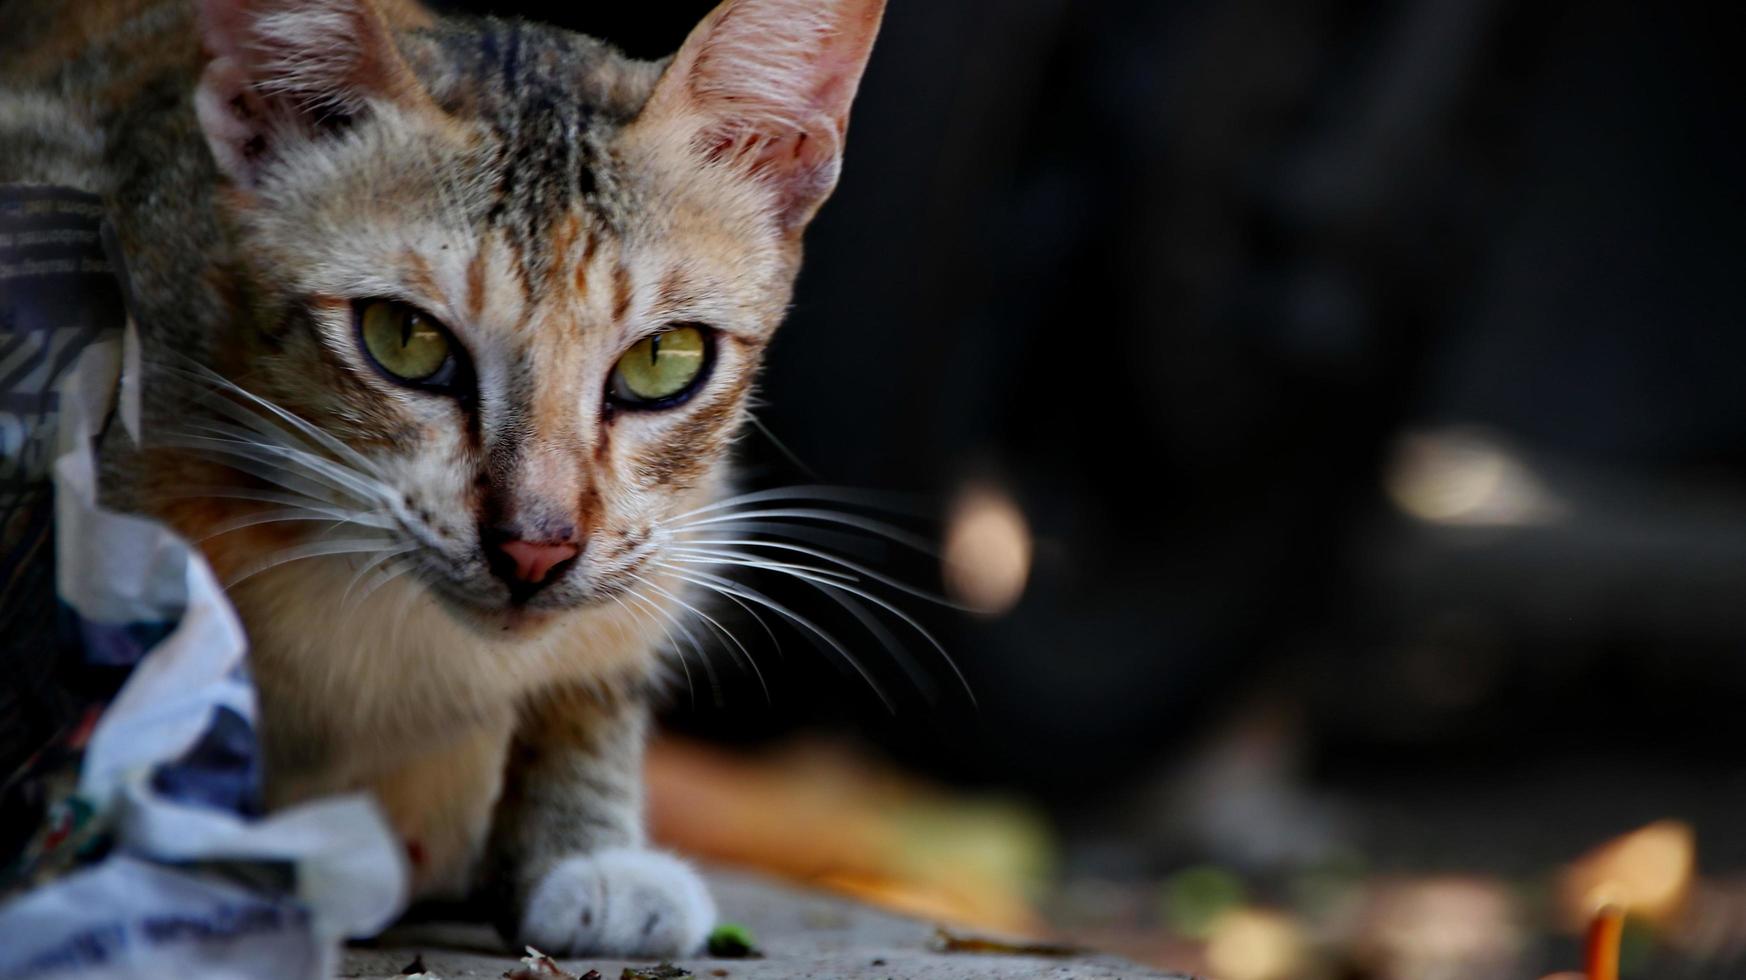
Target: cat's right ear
<point x="763" y="87"/>
<point x="284" y="71"/>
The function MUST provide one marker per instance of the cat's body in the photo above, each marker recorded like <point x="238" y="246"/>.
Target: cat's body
<point x="507" y="531"/>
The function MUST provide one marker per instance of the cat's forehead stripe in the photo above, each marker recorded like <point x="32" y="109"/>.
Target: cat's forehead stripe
<point x="476" y="285"/>
<point x="621" y="292"/>
<point x="589" y="246"/>
<point x="563" y="241"/>
<point x="676" y="290"/>
<point x="418" y="275"/>
<point x="528" y="89"/>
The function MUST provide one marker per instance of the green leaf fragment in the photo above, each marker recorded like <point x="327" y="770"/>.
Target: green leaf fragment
<point x="730" y="940"/>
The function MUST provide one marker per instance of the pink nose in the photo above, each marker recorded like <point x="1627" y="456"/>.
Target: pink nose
<point x="534" y="561"/>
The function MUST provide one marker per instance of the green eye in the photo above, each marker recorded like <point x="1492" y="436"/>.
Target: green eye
<point x="661" y="368"/>
<point x="404" y="342"/>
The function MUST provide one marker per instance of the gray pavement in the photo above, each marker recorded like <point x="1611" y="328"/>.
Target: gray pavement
<point x="803" y="934"/>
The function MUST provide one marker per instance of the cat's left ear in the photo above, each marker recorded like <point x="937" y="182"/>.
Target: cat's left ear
<point x="289" y="71"/>
<point x="764" y="86"/>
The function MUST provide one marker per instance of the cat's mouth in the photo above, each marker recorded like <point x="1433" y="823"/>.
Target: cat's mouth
<point x="497" y="617"/>
<point x="489" y="607"/>
<point x="479" y="597"/>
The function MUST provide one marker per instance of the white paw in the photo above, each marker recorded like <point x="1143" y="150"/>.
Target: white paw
<point x="620" y="902"/>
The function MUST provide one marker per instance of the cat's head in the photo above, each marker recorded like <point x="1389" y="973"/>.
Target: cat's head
<point x="517" y="284"/>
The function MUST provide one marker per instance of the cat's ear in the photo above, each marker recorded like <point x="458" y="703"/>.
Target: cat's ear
<point x="283" y="71"/>
<point x="765" y="86"/>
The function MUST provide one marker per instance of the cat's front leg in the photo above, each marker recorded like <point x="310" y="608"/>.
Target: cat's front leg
<point x="568" y="865"/>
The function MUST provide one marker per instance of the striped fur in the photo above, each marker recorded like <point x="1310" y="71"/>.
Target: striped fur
<point x="267" y="163"/>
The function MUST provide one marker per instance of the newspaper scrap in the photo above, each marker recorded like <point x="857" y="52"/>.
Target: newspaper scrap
<point x="538" y="966"/>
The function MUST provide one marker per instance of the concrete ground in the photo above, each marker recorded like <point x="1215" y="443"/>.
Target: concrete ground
<point x="802" y="934"/>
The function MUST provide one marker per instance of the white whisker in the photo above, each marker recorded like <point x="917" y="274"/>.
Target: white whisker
<point x="843" y="540"/>
<point x="824" y="584"/>
<point x="266" y="470"/>
<point x="250" y="494"/>
<point x="316" y="549"/>
<point x="775" y="644"/>
<point x="838" y="560"/>
<point x="691" y="688"/>
<point x="719" y="628"/>
<point x="200" y="371"/>
<point x="663" y="619"/>
<point x="370" y="566"/>
<point x="408" y="597"/>
<point x="719" y="584"/>
<point x="701" y="556"/>
<point x="888" y="531"/>
<point x="868" y="621"/>
<point x="365" y="484"/>
<point x="323" y="470"/>
<point x="291" y="515"/>
<point x="887" y="640"/>
<point x="845" y="495"/>
<point x="781" y="446"/>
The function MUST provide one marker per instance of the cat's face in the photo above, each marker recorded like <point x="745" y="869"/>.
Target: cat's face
<point x="525" y="283"/>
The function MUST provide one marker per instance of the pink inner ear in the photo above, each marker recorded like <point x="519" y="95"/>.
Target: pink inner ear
<point x="224" y="26"/>
<point x="287" y="70"/>
<point x="333" y="54"/>
<point x="801" y="166"/>
<point x="769" y="153"/>
<point x="233" y="119"/>
<point x="842" y="62"/>
<point x="768" y="84"/>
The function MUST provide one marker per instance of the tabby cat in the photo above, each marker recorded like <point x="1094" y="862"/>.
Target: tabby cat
<point x="448" y="325"/>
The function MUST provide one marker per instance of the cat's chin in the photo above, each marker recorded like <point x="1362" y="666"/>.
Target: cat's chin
<point x="505" y="620"/>
<point x="511" y="620"/>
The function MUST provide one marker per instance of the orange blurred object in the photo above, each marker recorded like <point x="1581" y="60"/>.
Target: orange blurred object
<point x="825" y="816"/>
<point x="1605" y="934"/>
<point x="1648" y="874"/>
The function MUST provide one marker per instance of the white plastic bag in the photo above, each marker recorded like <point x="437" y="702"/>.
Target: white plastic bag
<point x="195" y="885"/>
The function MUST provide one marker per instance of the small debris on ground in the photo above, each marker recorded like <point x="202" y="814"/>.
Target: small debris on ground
<point x="732" y="941"/>
<point x="416" y="970"/>
<point x="949" y="942"/>
<point x="665" y="971"/>
<point x="538" y="966"/>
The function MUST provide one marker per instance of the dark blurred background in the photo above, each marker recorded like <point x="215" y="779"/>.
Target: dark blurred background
<point x="1367" y="377"/>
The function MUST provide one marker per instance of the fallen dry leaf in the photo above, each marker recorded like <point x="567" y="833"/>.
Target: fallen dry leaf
<point x="538" y="966"/>
<point x="950" y="942"/>
<point x="666" y="971"/>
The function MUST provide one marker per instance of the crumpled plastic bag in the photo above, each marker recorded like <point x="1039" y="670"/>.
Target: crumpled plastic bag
<point x="156" y="861"/>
